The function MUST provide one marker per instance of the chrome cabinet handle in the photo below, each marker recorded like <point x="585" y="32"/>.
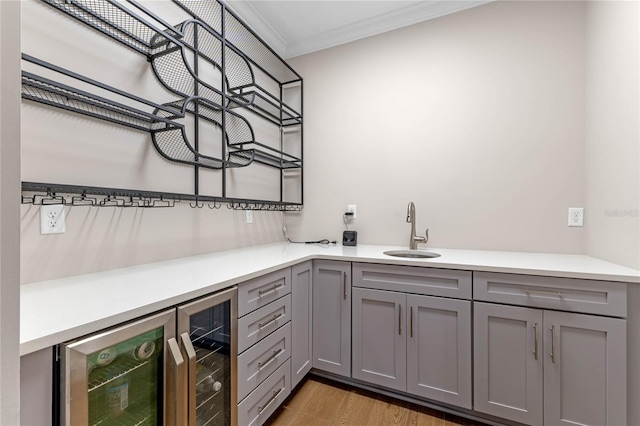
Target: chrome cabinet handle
<point x="178" y="388"/>
<point x="551" y="293"/>
<point x="535" y="341"/>
<point x="344" y="285"/>
<point x="191" y="373"/>
<point x="272" y="320"/>
<point x="275" y="287"/>
<point x="261" y="408"/>
<point x="400" y="320"/>
<point x="411" y="321"/>
<point x="269" y="360"/>
<point x="553" y="344"/>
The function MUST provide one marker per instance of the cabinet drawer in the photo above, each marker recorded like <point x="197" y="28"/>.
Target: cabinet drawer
<point x="262" y="359"/>
<point x="259" y="324"/>
<point x="257" y="293"/>
<point x="262" y="402"/>
<point x="416" y="280"/>
<point x="567" y="294"/>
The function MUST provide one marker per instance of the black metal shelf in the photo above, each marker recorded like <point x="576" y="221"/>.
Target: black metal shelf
<point x="214" y="37"/>
<point x="240" y="36"/>
<point x="40" y="193"/>
<point x="262" y="103"/>
<point x="116" y="21"/>
<point x="168" y="135"/>
<point x="268" y="156"/>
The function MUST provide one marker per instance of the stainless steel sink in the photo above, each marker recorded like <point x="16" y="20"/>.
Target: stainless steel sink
<point x="412" y="254"/>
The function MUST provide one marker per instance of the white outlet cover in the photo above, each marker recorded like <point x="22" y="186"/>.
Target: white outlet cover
<point x="52" y="219"/>
<point x="351" y="208"/>
<point x="576" y="216"/>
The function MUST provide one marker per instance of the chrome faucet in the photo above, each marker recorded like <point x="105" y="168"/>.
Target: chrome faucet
<point x="413" y="238"/>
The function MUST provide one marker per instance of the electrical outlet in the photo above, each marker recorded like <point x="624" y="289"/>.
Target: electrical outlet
<point x="576" y="216"/>
<point x="52" y="219"/>
<point x="248" y="215"/>
<point x="351" y="208"/>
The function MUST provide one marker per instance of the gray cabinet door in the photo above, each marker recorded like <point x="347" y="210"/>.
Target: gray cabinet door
<point x="332" y="316"/>
<point x="585" y="379"/>
<point x="439" y="349"/>
<point x="508" y="366"/>
<point x="379" y="338"/>
<point x="301" y="330"/>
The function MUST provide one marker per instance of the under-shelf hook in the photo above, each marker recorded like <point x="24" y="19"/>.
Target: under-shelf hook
<point x="28" y="200"/>
<point x="111" y="201"/>
<point x="83" y="200"/>
<point x="197" y="204"/>
<point x="50" y="198"/>
<point x="132" y="203"/>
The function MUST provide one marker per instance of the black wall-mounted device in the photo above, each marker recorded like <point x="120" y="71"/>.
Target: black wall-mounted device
<point x="349" y="238"/>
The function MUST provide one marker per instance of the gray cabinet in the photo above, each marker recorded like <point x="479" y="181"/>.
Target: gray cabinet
<point x="413" y="343"/>
<point x="585" y="378"/>
<point x="507" y="362"/>
<point x="439" y="349"/>
<point x="541" y="366"/>
<point x="332" y="317"/>
<point x="379" y="337"/>
<point x="265" y="315"/>
<point x="301" y="322"/>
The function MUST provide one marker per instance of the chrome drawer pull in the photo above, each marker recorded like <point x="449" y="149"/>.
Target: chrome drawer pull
<point x="270" y="290"/>
<point x="411" y="326"/>
<point x="269" y="360"/>
<point x="553" y="344"/>
<point x="535" y="341"/>
<point x="261" y="408"/>
<point x="551" y="293"/>
<point x="272" y="320"/>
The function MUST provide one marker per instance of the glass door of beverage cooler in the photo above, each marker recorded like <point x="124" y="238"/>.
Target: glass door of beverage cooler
<point x="207" y="337"/>
<point x="125" y="376"/>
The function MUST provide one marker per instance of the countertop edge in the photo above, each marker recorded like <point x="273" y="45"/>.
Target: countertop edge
<point x="35" y="341"/>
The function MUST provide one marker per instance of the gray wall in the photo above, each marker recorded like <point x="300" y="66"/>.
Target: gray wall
<point x="67" y="148"/>
<point x="478" y="117"/>
<point x="613" y="132"/>
<point x="9" y="212"/>
<point x="494" y="121"/>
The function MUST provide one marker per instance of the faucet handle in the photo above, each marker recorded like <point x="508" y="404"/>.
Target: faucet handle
<point x="427" y="235"/>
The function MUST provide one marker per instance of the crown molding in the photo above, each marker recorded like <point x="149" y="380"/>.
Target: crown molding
<point x="412" y="14"/>
<point x="255" y="21"/>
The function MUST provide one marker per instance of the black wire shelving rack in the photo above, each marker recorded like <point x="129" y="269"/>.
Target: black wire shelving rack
<point x="214" y="36"/>
<point x="39" y="193"/>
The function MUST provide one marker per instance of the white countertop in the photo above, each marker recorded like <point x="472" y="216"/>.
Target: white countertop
<point x="56" y="311"/>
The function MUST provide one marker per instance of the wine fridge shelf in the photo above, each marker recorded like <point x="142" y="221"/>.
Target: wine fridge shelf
<point x="214" y="34"/>
<point x="122" y="367"/>
<point x="125" y="419"/>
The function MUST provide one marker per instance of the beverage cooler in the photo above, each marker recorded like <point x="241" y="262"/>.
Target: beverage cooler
<point x="177" y="367"/>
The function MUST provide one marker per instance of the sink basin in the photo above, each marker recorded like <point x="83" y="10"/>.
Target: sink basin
<point x="412" y="254"/>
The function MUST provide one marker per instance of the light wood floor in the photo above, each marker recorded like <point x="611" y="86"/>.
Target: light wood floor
<point x="319" y="401"/>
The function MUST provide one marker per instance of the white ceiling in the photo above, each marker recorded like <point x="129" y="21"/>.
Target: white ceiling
<point x="296" y="27"/>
